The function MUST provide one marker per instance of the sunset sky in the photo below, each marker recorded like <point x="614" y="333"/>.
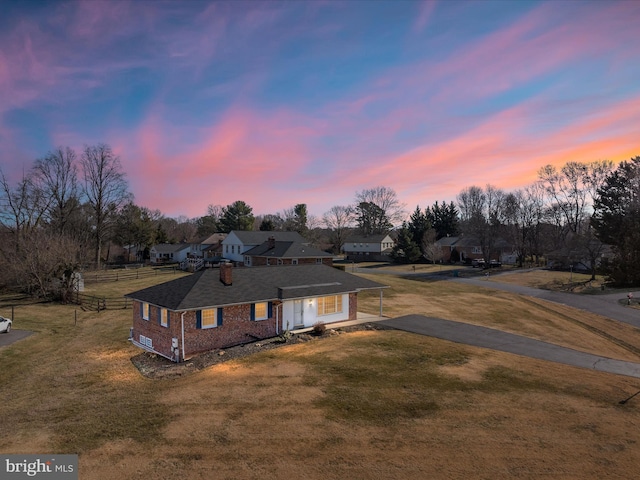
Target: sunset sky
<point x="279" y="103"/>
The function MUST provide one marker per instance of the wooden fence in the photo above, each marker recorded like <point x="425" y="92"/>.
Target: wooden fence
<point x="96" y="304"/>
<point x="126" y="274"/>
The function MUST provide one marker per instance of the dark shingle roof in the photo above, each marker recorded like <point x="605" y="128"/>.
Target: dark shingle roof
<point x="447" y="241"/>
<point x="204" y="289"/>
<point x="375" y="238"/>
<point x="257" y="237"/>
<point x="286" y="250"/>
<point x="213" y="239"/>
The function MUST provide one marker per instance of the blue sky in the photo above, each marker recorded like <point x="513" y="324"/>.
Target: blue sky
<point x="278" y="103"/>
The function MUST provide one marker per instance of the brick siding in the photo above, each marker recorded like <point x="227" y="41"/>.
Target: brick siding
<point x="237" y="328"/>
<point x="353" y="306"/>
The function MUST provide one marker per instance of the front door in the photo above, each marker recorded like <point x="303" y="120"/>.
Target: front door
<point x="298" y="314"/>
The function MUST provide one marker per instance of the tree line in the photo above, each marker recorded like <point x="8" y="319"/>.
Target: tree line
<point x="581" y="213"/>
<point x="71" y="208"/>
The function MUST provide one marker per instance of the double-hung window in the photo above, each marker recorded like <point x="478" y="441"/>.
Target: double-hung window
<point x="145" y="311"/>
<point x="209" y="318"/>
<point x="164" y="317"/>
<point x="329" y="305"/>
<point x="260" y="311"/>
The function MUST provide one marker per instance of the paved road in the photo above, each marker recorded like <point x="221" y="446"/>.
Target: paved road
<point x="608" y="305"/>
<point x="13" y="336"/>
<point x="460" y="332"/>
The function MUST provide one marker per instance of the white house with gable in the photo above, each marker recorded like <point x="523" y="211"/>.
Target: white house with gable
<point x="239" y="241"/>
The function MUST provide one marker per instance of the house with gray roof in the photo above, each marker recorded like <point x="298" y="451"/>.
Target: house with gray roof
<point x="375" y="247"/>
<point x="169" y="253"/>
<point x="468" y="248"/>
<point x="219" y="308"/>
<point x="239" y="241"/>
<point x="275" y="252"/>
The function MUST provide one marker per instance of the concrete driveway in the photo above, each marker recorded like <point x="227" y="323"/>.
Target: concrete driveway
<point x="477" y="336"/>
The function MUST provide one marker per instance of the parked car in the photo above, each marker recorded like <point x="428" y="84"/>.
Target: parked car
<point x="477" y="263"/>
<point x="5" y="325"/>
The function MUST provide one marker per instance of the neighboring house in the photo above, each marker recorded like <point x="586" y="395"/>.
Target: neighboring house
<point x="169" y="252"/>
<point x="368" y="247"/>
<point x="239" y="241"/>
<point x="468" y="248"/>
<point x="211" y="247"/>
<point x="219" y="308"/>
<point x="274" y="252"/>
<point x="447" y="246"/>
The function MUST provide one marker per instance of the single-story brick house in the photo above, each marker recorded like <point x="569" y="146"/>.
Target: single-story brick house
<point x="275" y="252"/>
<point x="219" y="308"/>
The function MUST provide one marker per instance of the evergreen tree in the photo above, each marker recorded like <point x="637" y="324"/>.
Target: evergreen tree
<point x="236" y="216"/>
<point x="405" y="250"/>
<point x="206" y="226"/>
<point x="616" y="220"/>
<point x="444" y="219"/>
<point x="418" y="225"/>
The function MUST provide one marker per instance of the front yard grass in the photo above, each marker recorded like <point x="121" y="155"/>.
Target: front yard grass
<point x="553" y="280"/>
<point x="369" y="404"/>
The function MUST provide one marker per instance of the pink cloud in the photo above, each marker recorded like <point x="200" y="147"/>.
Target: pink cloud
<point x="502" y="152"/>
<point x="239" y="157"/>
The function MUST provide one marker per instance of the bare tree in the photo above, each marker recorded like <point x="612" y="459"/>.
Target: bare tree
<point x="215" y="211"/>
<point x="58" y="178"/>
<point x="471" y="203"/>
<point x="572" y="190"/>
<point x="22" y="208"/>
<point x="339" y="219"/>
<point x="483" y="215"/>
<point x="378" y="210"/>
<point x="106" y="189"/>
<point x="571" y="194"/>
<point x="430" y="249"/>
<point x="45" y="265"/>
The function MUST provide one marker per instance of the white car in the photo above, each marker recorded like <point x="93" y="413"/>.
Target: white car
<point x="5" y="325"/>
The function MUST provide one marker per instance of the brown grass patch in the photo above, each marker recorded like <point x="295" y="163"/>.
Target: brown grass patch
<point x="366" y="405"/>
